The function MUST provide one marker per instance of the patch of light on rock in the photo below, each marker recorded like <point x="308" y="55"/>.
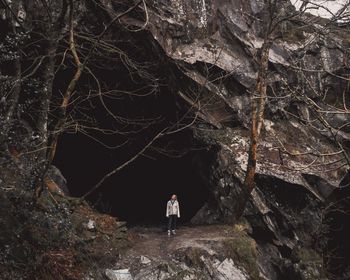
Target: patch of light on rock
<point x="322" y="8"/>
<point x="203" y="15"/>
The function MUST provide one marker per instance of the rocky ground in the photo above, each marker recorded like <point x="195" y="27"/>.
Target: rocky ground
<point x="201" y="252"/>
<point x="221" y="252"/>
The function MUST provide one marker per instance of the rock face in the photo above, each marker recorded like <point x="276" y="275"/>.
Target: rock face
<point x="215" y="45"/>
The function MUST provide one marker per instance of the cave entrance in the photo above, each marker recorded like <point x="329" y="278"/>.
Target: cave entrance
<point x="147" y="185"/>
<point x="138" y="193"/>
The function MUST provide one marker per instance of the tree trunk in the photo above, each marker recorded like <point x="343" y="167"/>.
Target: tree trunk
<point x="43" y="117"/>
<point x="258" y="106"/>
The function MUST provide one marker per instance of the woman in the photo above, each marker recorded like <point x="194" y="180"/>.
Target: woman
<point x="172" y="213"/>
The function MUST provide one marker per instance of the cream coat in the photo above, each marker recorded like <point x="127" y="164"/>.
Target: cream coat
<point x="173" y="208"/>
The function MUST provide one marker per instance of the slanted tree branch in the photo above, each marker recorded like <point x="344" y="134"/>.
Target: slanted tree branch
<point x="125" y="164"/>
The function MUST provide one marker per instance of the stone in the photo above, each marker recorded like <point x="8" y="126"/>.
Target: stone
<point x="91" y="224"/>
<point x="144" y="260"/>
<point x="120" y="274"/>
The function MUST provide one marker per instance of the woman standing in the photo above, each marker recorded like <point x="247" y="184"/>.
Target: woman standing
<point x="172" y="213"/>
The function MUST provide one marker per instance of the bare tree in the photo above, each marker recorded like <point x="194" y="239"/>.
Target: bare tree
<point x="274" y="23"/>
<point x="45" y="88"/>
<point x="30" y="87"/>
<point x="274" y="17"/>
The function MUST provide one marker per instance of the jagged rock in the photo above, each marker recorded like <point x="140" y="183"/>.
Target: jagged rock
<point x="284" y="210"/>
<point x="228" y="271"/>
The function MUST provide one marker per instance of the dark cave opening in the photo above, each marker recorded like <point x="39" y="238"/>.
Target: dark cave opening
<point x="137" y="194"/>
<point x="145" y="101"/>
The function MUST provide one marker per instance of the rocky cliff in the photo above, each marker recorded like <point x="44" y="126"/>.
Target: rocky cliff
<point x="214" y="45"/>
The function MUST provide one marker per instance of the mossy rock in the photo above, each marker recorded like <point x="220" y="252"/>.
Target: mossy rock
<point x="242" y="250"/>
<point x="242" y="226"/>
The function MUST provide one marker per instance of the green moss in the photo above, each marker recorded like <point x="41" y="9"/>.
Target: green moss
<point x="241" y="226"/>
<point x="242" y="249"/>
<point x="308" y="255"/>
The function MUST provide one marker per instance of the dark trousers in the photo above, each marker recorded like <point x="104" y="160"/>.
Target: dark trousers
<point x="172" y="222"/>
